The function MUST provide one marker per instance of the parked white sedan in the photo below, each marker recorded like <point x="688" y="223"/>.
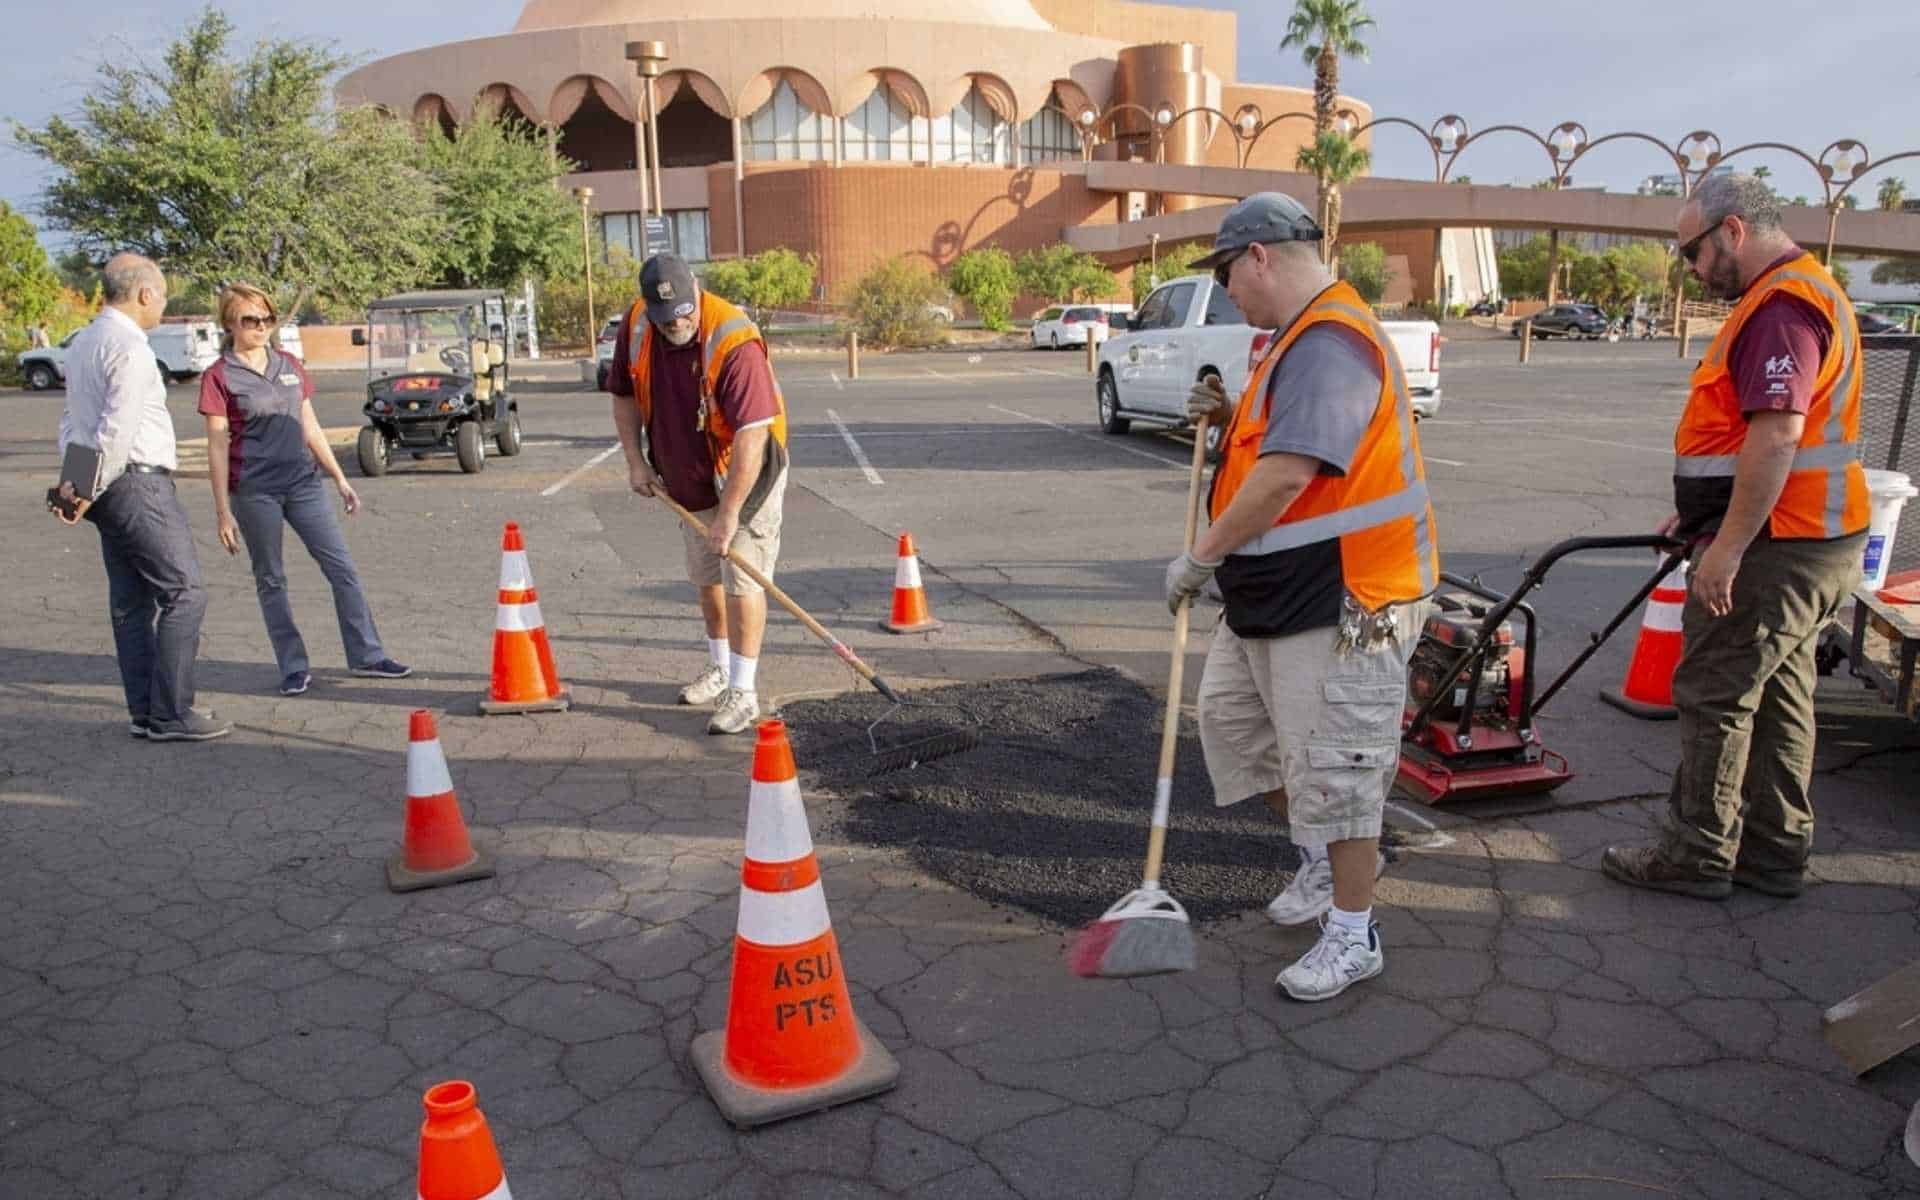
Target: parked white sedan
<point x="1072" y="324"/>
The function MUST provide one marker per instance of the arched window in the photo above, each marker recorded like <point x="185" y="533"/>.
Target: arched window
<point x="972" y="133"/>
<point x="1048" y="136"/>
<point x="786" y="129"/>
<point x="881" y="129"/>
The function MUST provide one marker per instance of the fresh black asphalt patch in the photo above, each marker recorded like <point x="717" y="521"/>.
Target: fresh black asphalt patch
<point x="1049" y="813"/>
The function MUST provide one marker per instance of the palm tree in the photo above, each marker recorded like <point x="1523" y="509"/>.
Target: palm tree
<point x="1325" y="31"/>
<point x="1893" y="193"/>
<point x="1335" y="161"/>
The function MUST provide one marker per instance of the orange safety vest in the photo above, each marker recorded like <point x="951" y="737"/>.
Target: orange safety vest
<point x="1379" y="509"/>
<point x="723" y="329"/>
<point x="1825" y="496"/>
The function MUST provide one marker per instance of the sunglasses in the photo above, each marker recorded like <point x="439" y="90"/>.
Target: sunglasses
<point x="249" y="321"/>
<point x="1691" y="249"/>
<point x="1221" y="272"/>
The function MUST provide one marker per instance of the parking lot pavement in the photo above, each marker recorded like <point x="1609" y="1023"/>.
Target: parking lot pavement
<point x="206" y="989"/>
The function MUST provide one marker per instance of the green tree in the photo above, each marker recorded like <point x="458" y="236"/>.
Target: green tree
<point x="1171" y="263"/>
<point x="986" y="278"/>
<point x="1059" y="273"/>
<point x="28" y="286"/>
<point x="891" y="304"/>
<point x="1523" y="268"/>
<point x="1364" y="265"/>
<point x="1897" y="272"/>
<point x="772" y="279"/>
<point x="1647" y="262"/>
<point x="1841" y="275"/>
<point x="1335" y="161"/>
<point x="505" y="219"/>
<point x="1892" y="193"/>
<point x="1324" y="32"/>
<point x="223" y="166"/>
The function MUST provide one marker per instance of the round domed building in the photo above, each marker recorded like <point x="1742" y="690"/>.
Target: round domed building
<point x="854" y="130"/>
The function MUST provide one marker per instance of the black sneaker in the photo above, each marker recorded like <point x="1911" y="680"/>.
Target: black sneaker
<point x="386" y="668"/>
<point x="138" y="726"/>
<point x="196" y="726"/>
<point x="296" y="683"/>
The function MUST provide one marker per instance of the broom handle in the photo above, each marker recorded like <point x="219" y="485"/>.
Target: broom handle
<point x="787" y="602"/>
<point x="1170" y="723"/>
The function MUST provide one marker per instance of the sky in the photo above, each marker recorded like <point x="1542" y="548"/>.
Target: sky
<point x="1755" y="70"/>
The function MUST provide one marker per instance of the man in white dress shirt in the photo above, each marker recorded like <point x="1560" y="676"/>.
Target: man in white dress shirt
<point x="117" y="404"/>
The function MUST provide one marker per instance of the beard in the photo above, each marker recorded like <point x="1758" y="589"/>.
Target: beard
<point x="1723" y="281"/>
<point x="677" y="336"/>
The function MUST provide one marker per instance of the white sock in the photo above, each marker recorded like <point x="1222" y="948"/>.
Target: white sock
<point x="741" y="673"/>
<point x="1352" y="922"/>
<point x="717" y="652"/>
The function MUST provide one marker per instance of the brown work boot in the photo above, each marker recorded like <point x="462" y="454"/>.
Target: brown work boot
<point x="1642" y="866"/>
<point x="1784" y="884"/>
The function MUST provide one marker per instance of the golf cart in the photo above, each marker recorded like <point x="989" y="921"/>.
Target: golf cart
<point x="437" y="379"/>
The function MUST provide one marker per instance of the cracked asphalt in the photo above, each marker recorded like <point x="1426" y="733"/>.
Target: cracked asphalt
<point x="206" y="990"/>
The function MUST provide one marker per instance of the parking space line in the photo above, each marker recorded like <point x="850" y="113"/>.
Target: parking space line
<point x="1101" y="439"/>
<point x="853" y="447"/>
<point x="1443" y="461"/>
<point x="837" y="385"/>
<point x="582" y="469"/>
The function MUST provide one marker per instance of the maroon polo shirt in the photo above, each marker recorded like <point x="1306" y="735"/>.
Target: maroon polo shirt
<point x="676" y="445"/>
<point x="1776" y="356"/>
<point x="268" y="453"/>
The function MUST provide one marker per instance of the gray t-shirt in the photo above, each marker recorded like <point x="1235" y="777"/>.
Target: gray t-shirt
<point x="1323" y="393"/>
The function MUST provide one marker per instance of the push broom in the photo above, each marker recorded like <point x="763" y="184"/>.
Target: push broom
<point x="1147" y="932"/>
<point x="885" y="759"/>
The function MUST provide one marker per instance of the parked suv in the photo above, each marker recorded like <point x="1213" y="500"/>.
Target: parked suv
<point x="1073" y="324"/>
<point x="1565" y="320"/>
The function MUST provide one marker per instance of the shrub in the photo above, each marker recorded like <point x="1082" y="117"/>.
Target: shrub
<point x="987" y="279"/>
<point x="1059" y="273"/>
<point x="770" y="280"/>
<point x="891" y="304"/>
<point x="1364" y="265"/>
<point x="562" y="297"/>
<point x="1172" y="262"/>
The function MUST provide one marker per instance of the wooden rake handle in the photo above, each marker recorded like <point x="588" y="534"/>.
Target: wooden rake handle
<point x="1170" y="722"/>
<point x="787" y="602"/>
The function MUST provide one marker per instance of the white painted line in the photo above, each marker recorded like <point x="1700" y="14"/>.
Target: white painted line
<point x="582" y="469"/>
<point x="1100" y="439"/>
<point x="1443" y="461"/>
<point x="853" y="447"/>
<point x="837" y="385"/>
<point x="936" y="374"/>
<point x="908" y="433"/>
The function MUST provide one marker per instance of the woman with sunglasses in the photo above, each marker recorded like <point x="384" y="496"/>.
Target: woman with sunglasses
<point x="265" y="455"/>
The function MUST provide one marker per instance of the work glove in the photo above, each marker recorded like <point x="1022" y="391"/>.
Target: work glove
<point x="1208" y="399"/>
<point x="1186" y="575"/>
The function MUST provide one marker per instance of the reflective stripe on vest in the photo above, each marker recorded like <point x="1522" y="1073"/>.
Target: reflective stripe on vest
<point x="1408" y="502"/>
<point x="1833" y="456"/>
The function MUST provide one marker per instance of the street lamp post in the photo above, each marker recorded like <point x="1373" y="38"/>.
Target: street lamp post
<point x="649" y="58"/>
<point x="585" y="194"/>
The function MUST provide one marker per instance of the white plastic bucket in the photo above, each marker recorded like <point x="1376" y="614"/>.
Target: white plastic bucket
<point x="1889" y="491"/>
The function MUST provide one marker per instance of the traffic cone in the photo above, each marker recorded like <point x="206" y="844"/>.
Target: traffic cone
<point x="910" y="613"/>
<point x="1648" y="690"/>
<point x="457" y="1156"/>
<point x="524" y="678"/>
<point x="791" y="1044"/>
<point x="436" y="849"/>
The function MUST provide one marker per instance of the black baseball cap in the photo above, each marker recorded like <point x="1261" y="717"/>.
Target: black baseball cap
<point x="668" y="287"/>
<point x="1265" y="217"/>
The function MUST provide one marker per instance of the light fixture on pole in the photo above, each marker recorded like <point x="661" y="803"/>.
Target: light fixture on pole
<point x="649" y="59"/>
<point x="584" y="194"/>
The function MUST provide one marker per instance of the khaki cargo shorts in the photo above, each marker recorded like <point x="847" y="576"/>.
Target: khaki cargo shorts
<point x="1293" y="714"/>
<point x="758" y="542"/>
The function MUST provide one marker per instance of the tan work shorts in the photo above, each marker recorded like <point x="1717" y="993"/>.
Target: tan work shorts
<point x="758" y="542"/>
<point x="1293" y="714"/>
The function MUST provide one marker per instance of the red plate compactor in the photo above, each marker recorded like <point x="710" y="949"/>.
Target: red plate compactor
<point x="1469" y="729"/>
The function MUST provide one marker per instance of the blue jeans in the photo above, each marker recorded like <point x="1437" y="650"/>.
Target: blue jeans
<point x="153" y="588"/>
<point x="308" y="507"/>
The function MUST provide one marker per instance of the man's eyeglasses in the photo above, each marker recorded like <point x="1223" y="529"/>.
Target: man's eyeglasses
<point x="1225" y="269"/>
<point x="250" y="321"/>
<point x="1690" y="250"/>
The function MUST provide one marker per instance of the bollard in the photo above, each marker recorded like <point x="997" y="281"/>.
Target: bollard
<point x="1686" y="334"/>
<point x="853" y="354"/>
<point x="1526" y="341"/>
<point x="1093" y="353"/>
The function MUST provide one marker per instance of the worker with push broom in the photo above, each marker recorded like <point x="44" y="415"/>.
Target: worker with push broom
<point x="1321" y="543"/>
<point x="703" y="424"/>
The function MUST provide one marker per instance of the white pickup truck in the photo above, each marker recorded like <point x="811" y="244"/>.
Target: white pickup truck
<point x="1188" y="329"/>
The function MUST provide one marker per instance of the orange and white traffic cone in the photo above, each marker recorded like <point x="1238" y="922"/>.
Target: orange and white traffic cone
<point x="910" y="613"/>
<point x="435" y="848"/>
<point x="1648" y="689"/>
<point x="524" y="678"/>
<point x="791" y="1044"/>
<point x="458" y="1160"/>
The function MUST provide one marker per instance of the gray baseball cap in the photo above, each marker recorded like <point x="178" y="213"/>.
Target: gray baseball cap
<point x="1261" y="217"/>
<point x="667" y="285"/>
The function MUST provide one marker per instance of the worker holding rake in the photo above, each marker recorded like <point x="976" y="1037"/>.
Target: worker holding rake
<point x="1321" y="543"/>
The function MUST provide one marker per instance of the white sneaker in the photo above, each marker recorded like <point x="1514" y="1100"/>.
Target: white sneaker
<point x="1338" y="960"/>
<point x="736" y="712"/>
<point x="1309" y="894"/>
<point x="706" y="686"/>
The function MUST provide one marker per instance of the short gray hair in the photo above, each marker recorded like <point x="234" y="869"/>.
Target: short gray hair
<point x="1737" y="195"/>
<point x="125" y="274"/>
